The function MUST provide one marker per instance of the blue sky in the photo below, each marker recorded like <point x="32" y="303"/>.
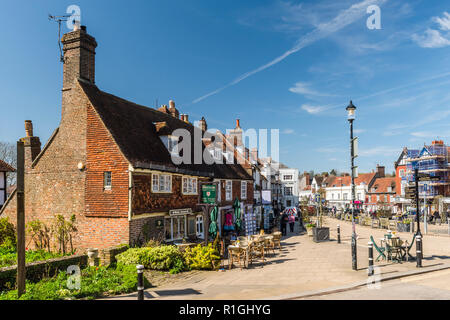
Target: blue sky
<point x="288" y="65"/>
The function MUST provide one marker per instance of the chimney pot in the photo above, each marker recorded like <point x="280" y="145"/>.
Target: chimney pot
<point x="237" y="123"/>
<point x="29" y="128"/>
<point x="186" y="118"/>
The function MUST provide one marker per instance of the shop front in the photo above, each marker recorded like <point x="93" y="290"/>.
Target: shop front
<point x="183" y="224"/>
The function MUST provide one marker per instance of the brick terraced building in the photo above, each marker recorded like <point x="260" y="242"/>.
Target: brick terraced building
<point x="110" y="163"/>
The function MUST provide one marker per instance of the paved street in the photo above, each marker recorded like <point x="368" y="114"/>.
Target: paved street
<point x="302" y="266"/>
<point x="431" y="286"/>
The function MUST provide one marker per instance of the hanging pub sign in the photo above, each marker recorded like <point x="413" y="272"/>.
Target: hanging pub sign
<point x="208" y="193"/>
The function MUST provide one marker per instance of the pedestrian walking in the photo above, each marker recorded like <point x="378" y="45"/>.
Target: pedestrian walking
<point x="291" y="220"/>
<point x="283" y="223"/>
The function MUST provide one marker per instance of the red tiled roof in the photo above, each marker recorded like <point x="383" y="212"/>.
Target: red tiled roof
<point x="347" y="180"/>
<point x="382" y="184"/>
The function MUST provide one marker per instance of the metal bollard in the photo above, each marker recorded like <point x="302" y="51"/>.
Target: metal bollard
<point x="140" y="286"/>
<point x="339" y="234"/>
<point x="370" y="270"/>
<point x="419" y="251"/>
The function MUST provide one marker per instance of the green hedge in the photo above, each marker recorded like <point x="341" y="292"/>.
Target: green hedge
<point x="95" y="282"/>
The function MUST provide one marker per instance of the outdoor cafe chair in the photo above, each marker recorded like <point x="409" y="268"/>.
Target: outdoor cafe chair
<point x="236" y="253"/>
<point x="269" y="244"/>
<point x="381" y="251"/>
<point x="257" y="250"/>
<point x="394" y="248"/>
<point x="277" y="239"/>
<point x="407" y="248"/>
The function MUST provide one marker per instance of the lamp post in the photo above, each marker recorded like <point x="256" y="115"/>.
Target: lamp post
<point x="351" y="117"/>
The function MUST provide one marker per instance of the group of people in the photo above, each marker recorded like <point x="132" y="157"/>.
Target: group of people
<point x="289" y="219"/>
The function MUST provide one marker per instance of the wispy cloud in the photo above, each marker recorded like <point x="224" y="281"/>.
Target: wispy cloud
<point x="379" y="151"/>
<point x="288" y="131"/>
<point x="431" y="134"/>
<point x="305" y="89"/>
<point x="313" y="109"/>
<point x="433" y="38"/>
<point x="344" y="18"/>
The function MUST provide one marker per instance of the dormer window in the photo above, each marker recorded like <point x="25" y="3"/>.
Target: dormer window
<point x="171" y="143"/>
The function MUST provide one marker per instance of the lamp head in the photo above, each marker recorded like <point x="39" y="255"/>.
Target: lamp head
<point x="351" y="111"/>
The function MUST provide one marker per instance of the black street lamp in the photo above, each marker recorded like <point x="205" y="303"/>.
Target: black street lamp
<point x="351" y="117"/>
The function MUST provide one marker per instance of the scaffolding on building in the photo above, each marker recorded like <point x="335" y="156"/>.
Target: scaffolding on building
<point x="434" y="161"/>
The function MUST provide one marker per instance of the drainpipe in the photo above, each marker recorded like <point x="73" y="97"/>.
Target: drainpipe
<point x="130" y="190"/>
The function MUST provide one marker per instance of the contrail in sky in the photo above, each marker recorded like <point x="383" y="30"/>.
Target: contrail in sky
<point x="343" y="19"/>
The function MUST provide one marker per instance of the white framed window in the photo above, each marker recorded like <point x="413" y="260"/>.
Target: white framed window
<point x="199" y="227"/>
<point x="107" y="180"/>
<point x="161" y="183"/>
<point x="287" y="177"/>
<point x="229" y="190"/>
<point x="345" y="196"/>
<point x="288" y="191"/>
<point x="189" y="185"/>
<point x="243" y="189"/>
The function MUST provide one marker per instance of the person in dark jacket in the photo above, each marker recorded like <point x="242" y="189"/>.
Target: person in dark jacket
<point x="283" y="223"/>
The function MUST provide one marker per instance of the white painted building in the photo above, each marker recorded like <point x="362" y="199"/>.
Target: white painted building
<point x="289" y="184"/>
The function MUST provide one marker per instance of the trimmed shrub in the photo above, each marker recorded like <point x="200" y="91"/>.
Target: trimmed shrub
<point x="164" y="258"/>
<point x="132" y="256"/>
<point x="202" y="257"/>
<point x="168" y="258"/>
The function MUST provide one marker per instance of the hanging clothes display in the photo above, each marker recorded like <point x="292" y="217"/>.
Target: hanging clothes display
<point x="229" y="223"/>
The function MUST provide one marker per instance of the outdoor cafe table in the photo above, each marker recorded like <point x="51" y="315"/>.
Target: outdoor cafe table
<point x="387" y="248"/>
<point x="242" y="247"/>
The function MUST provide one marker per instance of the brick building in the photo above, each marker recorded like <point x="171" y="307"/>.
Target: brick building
<point x="110" y="162"/>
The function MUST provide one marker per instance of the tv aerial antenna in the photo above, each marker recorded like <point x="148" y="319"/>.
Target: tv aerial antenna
<point x="59" y="19"/>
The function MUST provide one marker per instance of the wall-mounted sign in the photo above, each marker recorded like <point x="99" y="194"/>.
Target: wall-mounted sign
<point x="266" y="196"/>
<point x="179" y="212"/>
<point x="208" y="193"/>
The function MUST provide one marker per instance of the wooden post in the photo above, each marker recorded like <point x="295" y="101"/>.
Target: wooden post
<point x="21" y="272"/>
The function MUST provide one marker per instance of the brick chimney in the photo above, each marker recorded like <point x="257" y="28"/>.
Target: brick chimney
<point x="173" y="111"/>
<point x="202" y="124"/>
<point x="236" y="134"/>
<point x="32" y="145"/>
<point x="380" y="171"/>
<point x="79" y="57"/>
<point x="79" y="63"/>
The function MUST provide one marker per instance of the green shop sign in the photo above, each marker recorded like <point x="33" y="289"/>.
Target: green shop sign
<point x="209" y="193"/>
